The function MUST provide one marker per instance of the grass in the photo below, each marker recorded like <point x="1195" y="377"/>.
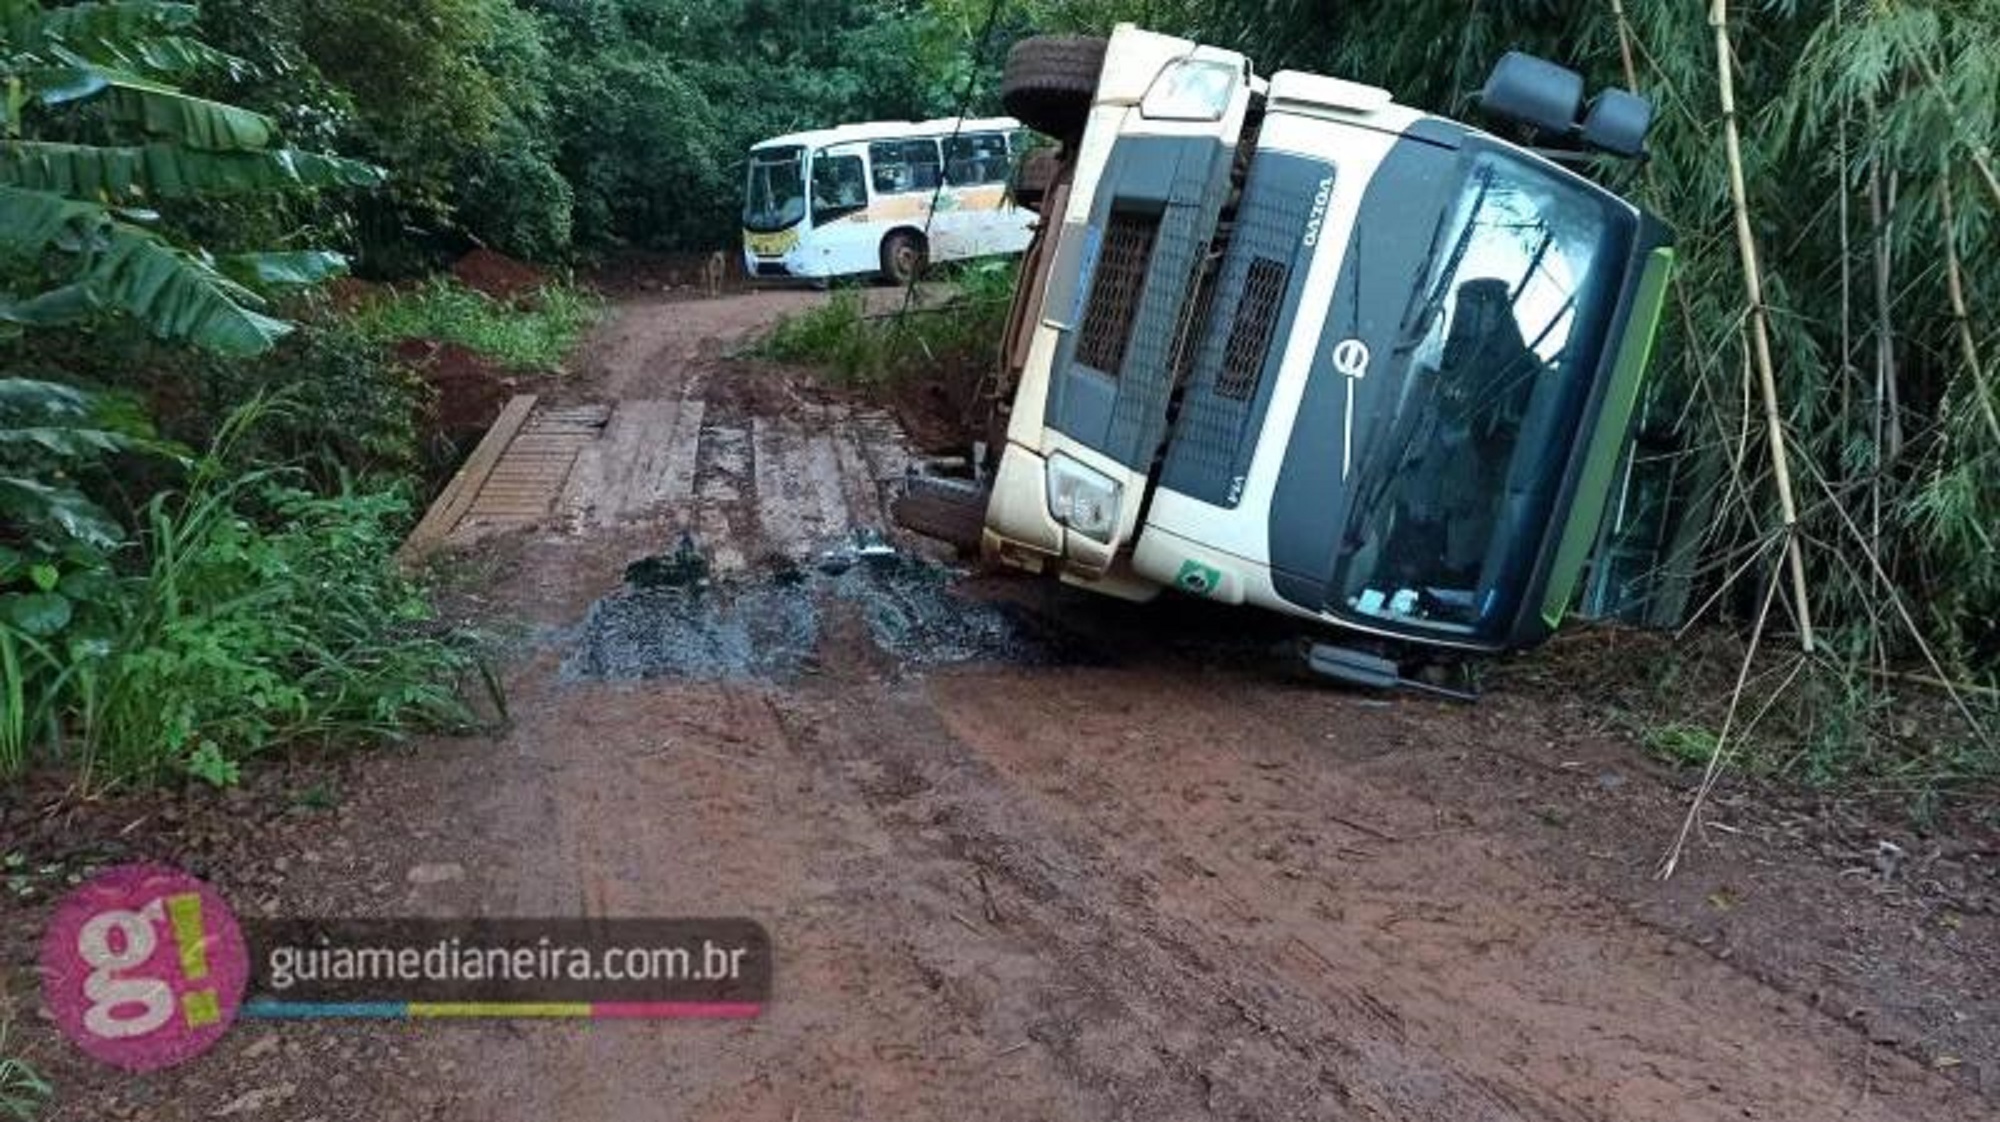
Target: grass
<point x="23" y="1091"/>
<point x="856" y="348"/>
<point x="536" y="333"/>
<point x="1807" y="721"/>
<point x="255" y="615"/>
<point x="836" y="336"/>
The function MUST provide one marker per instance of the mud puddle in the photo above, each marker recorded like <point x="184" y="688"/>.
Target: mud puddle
<point x="674" y="618"/>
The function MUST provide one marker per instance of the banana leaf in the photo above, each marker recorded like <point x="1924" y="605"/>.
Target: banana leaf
<point x="159" y="109"/>
<point x="168" y="171"/>
<point x="294" y="269"/>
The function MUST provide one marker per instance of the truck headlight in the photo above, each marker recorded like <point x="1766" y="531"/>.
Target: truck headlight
<point x="1193" y="89"/>
<point x="1082" y="498"/>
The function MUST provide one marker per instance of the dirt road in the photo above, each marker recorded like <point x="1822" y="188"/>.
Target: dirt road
<point x="1027" y="855"/>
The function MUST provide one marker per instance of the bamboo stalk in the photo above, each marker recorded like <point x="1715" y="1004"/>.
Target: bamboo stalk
<point x="1955" y="285"/>
<point x="1760" y="334"/>
<point x="1935" y="683"/>
<point x="1625" y="45"/>
<point x="1846" y="259"/>
<point x="1903" y="612"/>
<point x="1713" y="769"/>
<point x="1885" y="354"/>
<point x="1628" y="51"/>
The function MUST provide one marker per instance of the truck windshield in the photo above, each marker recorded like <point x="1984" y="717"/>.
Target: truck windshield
<point x="775" y="196"/>
<point x="1474" y="415"/>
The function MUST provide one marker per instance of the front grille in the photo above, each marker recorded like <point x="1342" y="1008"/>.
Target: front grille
<point x="772" y="269"/>
<point x="1195" y="309"/>
<point x="1122" y="258"/>
<point x="1249" y="342"/>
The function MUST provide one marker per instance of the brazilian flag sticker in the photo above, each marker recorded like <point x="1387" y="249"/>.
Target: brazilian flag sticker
<point x="1197" y="578"/>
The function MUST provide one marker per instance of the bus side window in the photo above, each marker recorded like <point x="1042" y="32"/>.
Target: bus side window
<point x="839" y="187"/>
<point x="976" y="158"/>
<point x="904" y="165"/>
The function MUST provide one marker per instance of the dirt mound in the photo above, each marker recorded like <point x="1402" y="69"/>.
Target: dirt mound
<point x="470" y="389"/>
<point x="497" y="275"/>
<point x="934" y="406"/>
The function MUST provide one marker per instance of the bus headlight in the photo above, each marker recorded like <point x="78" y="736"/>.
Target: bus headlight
<point x="1193" y="89"/>
<point x="1082" y="498"/>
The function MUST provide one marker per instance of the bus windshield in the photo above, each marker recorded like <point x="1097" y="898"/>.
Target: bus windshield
<point x="1500" y="340"/>
<point x="774" y="197"/>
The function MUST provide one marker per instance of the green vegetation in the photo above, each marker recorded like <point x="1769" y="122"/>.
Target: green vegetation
<point x="163" y="614"/>
<point x="23" y="1091"/>
<point x="957" y="334"/>
<point x="169" y="174"/>
<point x="546" y="127"/>
<point x="529" y="334"/>
<point x="96" y="134"/>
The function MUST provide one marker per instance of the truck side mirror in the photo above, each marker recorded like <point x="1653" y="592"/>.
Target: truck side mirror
<point x="1617" y="123"/>
<point x="1534" y="92"/>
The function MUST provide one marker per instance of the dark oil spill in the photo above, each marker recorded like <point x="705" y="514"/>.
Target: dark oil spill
<point x="672" y="620"/>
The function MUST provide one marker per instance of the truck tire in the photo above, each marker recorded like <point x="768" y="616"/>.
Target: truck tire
<point x="1036" y="175"/>
<point x="1050" y="81"/>
<point x="950" y="510"/>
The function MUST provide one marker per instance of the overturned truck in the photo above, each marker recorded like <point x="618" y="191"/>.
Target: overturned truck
<point x="1286" y="343"/>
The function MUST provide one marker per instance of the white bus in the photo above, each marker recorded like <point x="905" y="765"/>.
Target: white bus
<point x="853" y="200"/>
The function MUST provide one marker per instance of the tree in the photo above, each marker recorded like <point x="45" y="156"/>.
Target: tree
<point x="96" y="135"/>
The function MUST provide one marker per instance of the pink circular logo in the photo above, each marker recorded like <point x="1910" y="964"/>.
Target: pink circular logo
<point x="143" y="966"/>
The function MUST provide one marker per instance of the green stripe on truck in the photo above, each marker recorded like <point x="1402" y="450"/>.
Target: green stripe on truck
<point x="1594" y="489"/>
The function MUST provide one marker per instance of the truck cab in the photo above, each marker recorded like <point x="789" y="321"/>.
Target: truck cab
<point x="1286" y="343"/>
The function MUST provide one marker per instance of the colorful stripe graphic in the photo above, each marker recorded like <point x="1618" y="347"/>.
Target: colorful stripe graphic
<point x="411" y="1010"/>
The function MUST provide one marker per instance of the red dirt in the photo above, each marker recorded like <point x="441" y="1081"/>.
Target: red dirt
<point x="1167" y="879"/>
<point x="937" y="410"/>
<point x="470" y="390"/>
<point x="497" y="275"/>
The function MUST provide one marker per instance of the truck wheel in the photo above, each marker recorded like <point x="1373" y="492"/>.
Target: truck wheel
<point x="903" y="256"/>
<point x="1036" y="175"/>
<point x="1050" y="81"/>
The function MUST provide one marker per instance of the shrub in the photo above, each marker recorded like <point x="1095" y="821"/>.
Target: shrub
<point x="514" y="200"/>
<point x="945" y="340"/>
<point x="350" y="409"/>
<point x="260" y="615"/>
<point x="836" y="335"/>
<point x="531" y="334"/>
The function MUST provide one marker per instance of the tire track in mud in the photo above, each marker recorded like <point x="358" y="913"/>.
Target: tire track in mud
<point x="1157" y="1007"/>
<point x="1024" y="891"/>
<point x="1467" y="970"/>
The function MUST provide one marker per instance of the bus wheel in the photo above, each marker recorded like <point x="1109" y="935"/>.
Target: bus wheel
<point x="1050" y="81"/>
<point x="903" y="256"/>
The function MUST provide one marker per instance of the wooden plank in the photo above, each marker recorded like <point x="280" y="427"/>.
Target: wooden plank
<point x="458" y="495"/>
